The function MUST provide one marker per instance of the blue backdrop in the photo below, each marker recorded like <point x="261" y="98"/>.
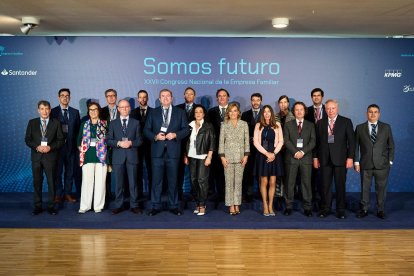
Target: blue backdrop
<point x="356" y="72"/>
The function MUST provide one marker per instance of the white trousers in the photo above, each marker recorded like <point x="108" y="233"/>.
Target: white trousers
<point x="93" y="186"/>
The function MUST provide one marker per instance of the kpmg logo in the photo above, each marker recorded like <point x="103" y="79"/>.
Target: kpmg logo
<point x="6" y="72"/>
<point x="4" y="53"/>
<point x="393" y="73"/>
<point x="408" y="88"/>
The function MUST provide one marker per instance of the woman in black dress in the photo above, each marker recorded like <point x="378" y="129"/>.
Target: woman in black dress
<point x="268" y="140"/>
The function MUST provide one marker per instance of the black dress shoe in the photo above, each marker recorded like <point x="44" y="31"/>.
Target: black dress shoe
<point x="176" y="211"/>
<point x="37" y="211"/>
<point x="308" y="213"/>
<point x="287" y="212"/>
<point x="381" y="214"/>
<point x="362" y="214"/>
<point x="52" y="211"/>
<point x="136" y="210"/>
<point x="117" y="211"/>
<point x="340" y="215"/>
<point x="153" y="212"/>
<point x="323" y="214"/>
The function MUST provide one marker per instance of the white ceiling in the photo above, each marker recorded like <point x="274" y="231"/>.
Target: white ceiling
<point x="309" y="18"/>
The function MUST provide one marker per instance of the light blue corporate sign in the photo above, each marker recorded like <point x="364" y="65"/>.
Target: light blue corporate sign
<point x="356" y="72"/>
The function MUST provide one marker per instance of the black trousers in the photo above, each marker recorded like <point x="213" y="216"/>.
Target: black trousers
<point x="199" y="180"/>
<point x="338" y="175"/>
<point x="38" y="168"/>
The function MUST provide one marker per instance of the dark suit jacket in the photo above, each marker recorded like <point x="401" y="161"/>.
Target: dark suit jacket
<point x="73" y="125"/>
<point x="213" y="116"/>
<point x="136" y="114"/>
<point x="344" y="146"/>
<point x="178" y="125"/>
<point x="190" y="115"/>
<point x="248" y="117"/>
<point x="310" y="115"/>
<point x="55" y="139"/>
<point x="290" y="136"/>
<point x="115" y="134"/>
<point x="104" y="114"/>
<point x="374" y="156"/>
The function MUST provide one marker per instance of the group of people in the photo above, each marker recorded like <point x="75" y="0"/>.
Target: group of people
<point x="227" y="152"/>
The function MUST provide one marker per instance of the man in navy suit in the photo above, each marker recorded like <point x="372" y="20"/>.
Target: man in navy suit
<point x="144" y="151"/>
<point x="215" y="116"/>
<point x="166" y="126"/>
<point x="334" y="153"/>
<point x="188" y="106"/>
<point x="251" y="117"/>
<point x="124" y="136"/>
<point x="44" y="136"/>
<point x="374" y="154"/>
<point x="70" y="121"/>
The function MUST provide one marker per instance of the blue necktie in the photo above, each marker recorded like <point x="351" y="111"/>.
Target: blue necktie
<point x="373" y="135"/>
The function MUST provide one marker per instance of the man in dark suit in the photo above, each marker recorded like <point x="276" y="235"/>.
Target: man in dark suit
<point x="44" y="136"/>
<point x="299" y="139"/>
<point x="334" y="153"/>
<point x="166" y="126"/>
<point x="215" y="116"/>
<point x="251" y="117"/>
<point x="315" y="113"/>
<point x="188" y="106"/>
<point x="124" y="136"/>
<point x="144" y="151"/>
<point x="70" y="120"/>
<point x="374" y="154"/>
<point x="110" y="113"/>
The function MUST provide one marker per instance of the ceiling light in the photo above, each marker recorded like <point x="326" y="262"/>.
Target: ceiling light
<point x="28" y="24"/>
<point x="280" y="22"/>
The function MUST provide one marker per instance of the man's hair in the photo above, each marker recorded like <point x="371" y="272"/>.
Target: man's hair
<point x="63" y="90"/>
<point x="190" y="88"/>
<point x="373" y="106"/>
<point x="256" y="95"/>
<point x="332" y="101"/>
<point x="166" y="90"/>
<point x="222" y="89"/>
<point x="142" y="91"/>
<point x="43" y="102"/>
<point x="111" y="90"/>
<point x="302" y="104"/>
<point x="317" y="90"/>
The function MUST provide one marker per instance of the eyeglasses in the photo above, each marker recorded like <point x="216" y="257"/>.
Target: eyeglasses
<point x="110" y="95"/>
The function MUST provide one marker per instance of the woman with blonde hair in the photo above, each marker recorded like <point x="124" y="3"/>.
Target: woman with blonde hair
<point x="233" y="150"/>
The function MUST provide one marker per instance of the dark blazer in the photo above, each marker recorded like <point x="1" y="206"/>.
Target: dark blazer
<point x="73" y="125"/>
<point x="374" y="156"/>
<point x="55" y="139"/>
<point x="190" y="115"/>
<point x="290" y="136"/>
<point x="213" y="116"/>
<point x="344" y="146"/>
<point x="104" y="114"/>
<point x="136" y="114"/>
<point x="178" y="125"/>
<point x="248" y="117"/>
<point x="310" y="116"/>
<point x="115" y="134"/>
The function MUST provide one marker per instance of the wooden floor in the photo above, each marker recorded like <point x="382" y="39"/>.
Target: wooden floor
<point x="206" y="252"/>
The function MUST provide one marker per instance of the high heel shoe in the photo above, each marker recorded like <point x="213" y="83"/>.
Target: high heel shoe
<point x="196" y="210"/>
<point x="232" y="212"/>
<point x="201" y="211"/>
<point x="237" y="210"/>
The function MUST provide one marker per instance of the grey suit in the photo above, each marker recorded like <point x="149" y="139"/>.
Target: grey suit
<point x="374" y="160"/>
<point x="304" y="164"/>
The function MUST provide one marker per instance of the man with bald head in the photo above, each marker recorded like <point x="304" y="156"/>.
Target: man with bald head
<point x="334" y="153"/>
<point x="124" y="136"/>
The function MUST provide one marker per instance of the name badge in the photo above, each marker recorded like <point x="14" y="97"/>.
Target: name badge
<point x="124" y="139"/>
<point x="65" y="128"/>
<point x="299" y="143"/>
<point x="331" y="139"/>
<point x="164" y="129"/>
<point x="43" y="142"/>
<point x="93" y="142"/>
